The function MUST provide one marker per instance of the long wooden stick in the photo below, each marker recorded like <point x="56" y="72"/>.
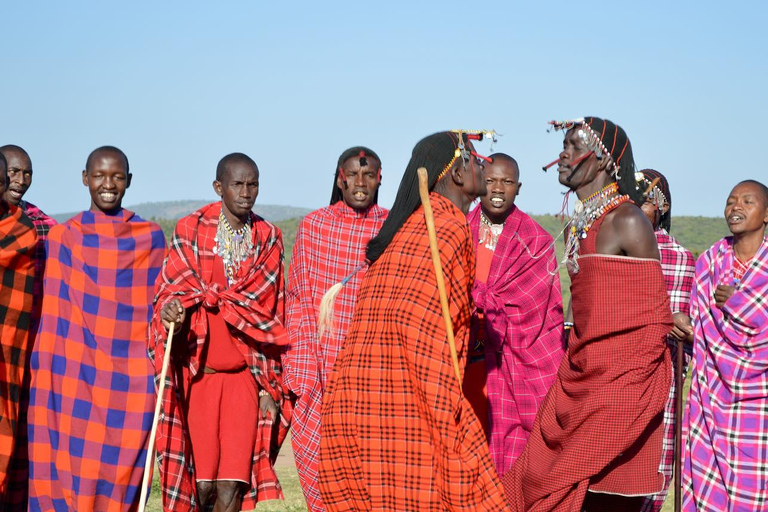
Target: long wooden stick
<point x="430" y="218"/>
<point x="153" y="433"/>
<point x="679" y="428"/>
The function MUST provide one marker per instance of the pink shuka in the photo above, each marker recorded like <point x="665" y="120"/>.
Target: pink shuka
<point x="524" y="344"/>
<point x="726" y="422"/>
<point x="330" y="244"/>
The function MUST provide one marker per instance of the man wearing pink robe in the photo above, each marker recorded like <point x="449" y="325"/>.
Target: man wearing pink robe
<point x="519" y="311"/>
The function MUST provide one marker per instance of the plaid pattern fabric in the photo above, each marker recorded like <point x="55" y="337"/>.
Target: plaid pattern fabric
<point x="91" y="400"/>
<point x="253" y="307"/>
<point x="17" y="245"/>
<point x="679" y="269"/>
<point x="330" y="244"/>
<point x="726" y="423"/>
<point x="600" y="426"/>
<point x="16" y="498"/>
<point x="397" y="432"/>
<point x="523" y="310"/>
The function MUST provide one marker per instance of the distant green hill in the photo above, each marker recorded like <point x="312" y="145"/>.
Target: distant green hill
<point x="177" y="209"/>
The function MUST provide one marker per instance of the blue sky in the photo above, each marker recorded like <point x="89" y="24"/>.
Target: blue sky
<point x="177" y="85"/>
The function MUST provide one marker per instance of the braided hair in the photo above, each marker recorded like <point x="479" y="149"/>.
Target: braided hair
<point x="615" y="140"/>
<point x="356" y="151"/>
<point x="649" y="175"/>
<point x="434" y="152"/>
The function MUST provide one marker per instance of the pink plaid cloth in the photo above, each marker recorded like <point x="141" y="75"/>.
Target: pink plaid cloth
<point x="524" y="344"/>
<point x="679" y="270"/>
<point x="330" y="244"/>
<point x="726" y="424"/>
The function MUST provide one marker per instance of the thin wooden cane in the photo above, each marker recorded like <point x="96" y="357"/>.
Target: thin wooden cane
<point x="430" y="218"/>
<point x="679" y="428"/>
<point x="152" y="434"/>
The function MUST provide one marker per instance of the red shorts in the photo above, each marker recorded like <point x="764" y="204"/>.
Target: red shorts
<point x="222" y="419"/>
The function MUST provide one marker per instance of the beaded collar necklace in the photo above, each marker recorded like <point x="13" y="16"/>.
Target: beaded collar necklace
<point x="489" y="232"/>
<point x="585" y="213"/>
<point x="233" y="246"/>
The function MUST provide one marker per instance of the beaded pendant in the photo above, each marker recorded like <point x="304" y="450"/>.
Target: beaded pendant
<point x="585" y="213"/>
<point x="234" y="247"/>
<point x="489" y="232"/>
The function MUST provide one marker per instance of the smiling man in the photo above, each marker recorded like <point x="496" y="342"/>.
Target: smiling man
<point x="519" y="317"/>
<point x="726" y="422"/>
<point x="330" y="245"/>
<point x="91" y="399"/>
<point x="19" y="181"/>
<point x="225" y="412"/>
<point x="17" y="245"/>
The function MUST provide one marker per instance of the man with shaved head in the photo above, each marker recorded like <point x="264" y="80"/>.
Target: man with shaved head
<point x="224" y="408"/>
<point x="19" y="181"/>
<point x="726" y="422"/>
<point x="91" y="398"/>
<point x="519" y="319"/>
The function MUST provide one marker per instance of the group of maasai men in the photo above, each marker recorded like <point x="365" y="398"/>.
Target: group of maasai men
<point x="414" y="372"/>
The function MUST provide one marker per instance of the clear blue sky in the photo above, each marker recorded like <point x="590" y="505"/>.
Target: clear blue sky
<point x="177" y="85"/>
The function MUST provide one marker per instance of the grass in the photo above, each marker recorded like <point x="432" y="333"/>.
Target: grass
<point x="669" y="503"/>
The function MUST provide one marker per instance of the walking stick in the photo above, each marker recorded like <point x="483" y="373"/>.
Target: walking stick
<point x="153" y="432"/>
<point x="679" y="428"/>
<point x="429" y="217"/>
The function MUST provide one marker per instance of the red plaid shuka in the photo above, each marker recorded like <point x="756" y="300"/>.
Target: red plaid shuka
<point x="679" y="270"/>
<point x="330" y="244"/>
<point x="600" y="426"/>
<point x="16" y="498"/>
<point x="253" y="306"/>
<point x="17" y="245"/>
<point x="91" y="400"/>
<point x="397" y="431"/>
<point x="522" y="309"/>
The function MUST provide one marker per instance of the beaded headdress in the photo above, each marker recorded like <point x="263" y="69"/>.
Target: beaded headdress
<point x="590" y="137"/>
<point x="461" y="149"/>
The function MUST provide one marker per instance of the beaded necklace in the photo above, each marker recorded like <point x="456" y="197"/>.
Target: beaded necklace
<point x="234" y="247"/>
<point x="585" y="213"/>
<point x="489" y="232"/>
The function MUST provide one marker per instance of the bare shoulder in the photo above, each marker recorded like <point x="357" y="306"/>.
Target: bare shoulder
<point x="631" y="232"/>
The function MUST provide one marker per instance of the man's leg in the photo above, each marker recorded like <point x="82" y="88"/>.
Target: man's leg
<point x="229" y="495"/>
<point x="204" y="493"/>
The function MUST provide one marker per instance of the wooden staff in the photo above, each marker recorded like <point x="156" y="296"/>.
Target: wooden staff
<point x="679" y="428"/>
<point x="153" y="432"/>
<point x="430" y="218"/>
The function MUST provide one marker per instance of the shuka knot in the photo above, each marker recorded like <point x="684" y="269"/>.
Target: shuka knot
<point x="211" y="297"/>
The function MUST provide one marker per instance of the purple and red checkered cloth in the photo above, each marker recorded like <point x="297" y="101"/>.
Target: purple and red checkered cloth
<point x="523" y="310"/>
<point x="330" y="245"/>
<point x="91" y="399"/>
<point x="726" y="422"/>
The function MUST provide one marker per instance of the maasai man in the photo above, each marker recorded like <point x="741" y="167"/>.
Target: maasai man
<point x="330" y="245"/>
<point x="17" y="248"/>
<point x="397" y="433"/>
<point x="91" y="399"/>
<point x="726" y="424"/>
<point x="520" y="310"/>
<point x="224" y="412"/>
<point x="600" y="426"/>
<point x="678" y="266"/>
<point x="19" y="181"/>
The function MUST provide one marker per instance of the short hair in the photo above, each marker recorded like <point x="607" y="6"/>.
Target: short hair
<point x="231" y="159"/>
<point x="763" y="189"/>
<point x="106" y="149"/>
<point x="505" y="158"/>
<point x="14" y="147"/>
